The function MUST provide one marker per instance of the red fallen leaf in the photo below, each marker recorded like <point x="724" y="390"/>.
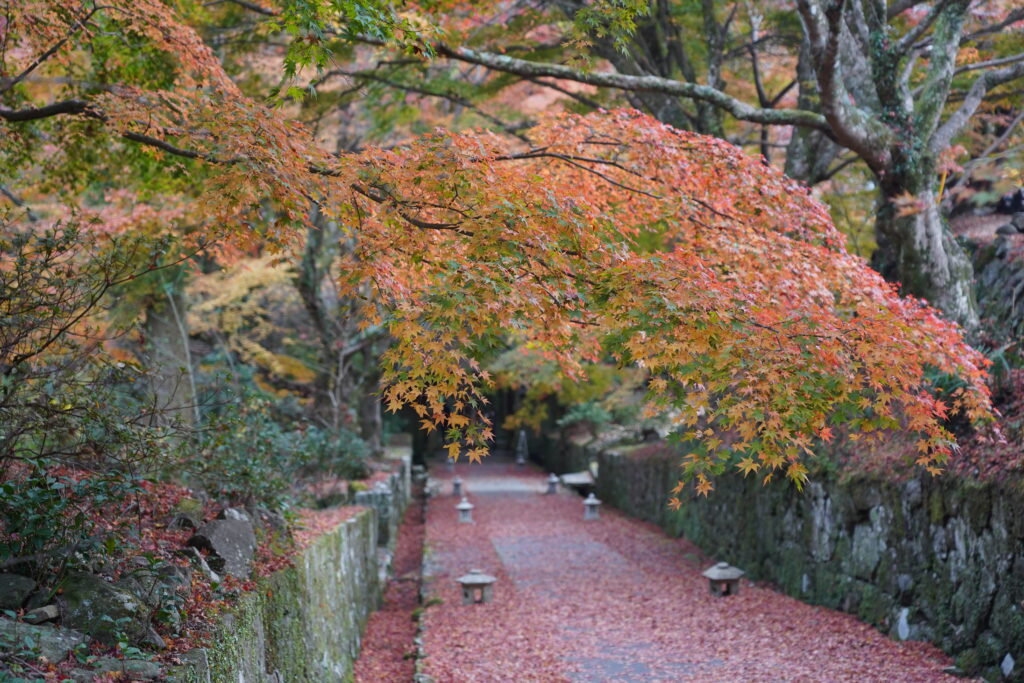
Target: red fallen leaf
<point x="573" y="597"/>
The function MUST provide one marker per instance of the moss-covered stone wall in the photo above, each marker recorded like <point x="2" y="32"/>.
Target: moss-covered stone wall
<point x="931" y="558"/>
<point x="305" y="622"/>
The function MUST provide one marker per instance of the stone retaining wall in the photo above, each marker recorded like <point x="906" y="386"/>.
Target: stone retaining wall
<point x="305" y="623"/>
<point x="931" y="558"/>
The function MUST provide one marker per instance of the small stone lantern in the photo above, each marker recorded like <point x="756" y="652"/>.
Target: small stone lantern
<point x="590" y="508"/>
<point x="724" y="579"/>
<point x="477" y="587"/>
<point x="521" y="448"/>
<point x="457" y="486"/>
<point x="465" y="509"/>
<point x="552" y="484"/>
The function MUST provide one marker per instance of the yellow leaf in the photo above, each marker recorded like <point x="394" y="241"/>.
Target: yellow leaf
<point x="453" y="450"/>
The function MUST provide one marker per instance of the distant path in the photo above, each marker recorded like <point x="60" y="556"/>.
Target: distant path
<point x="617" y="600"/>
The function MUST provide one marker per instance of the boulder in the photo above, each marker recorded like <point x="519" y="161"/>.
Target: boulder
<point x="230" y="542"/>
<point x="236" y="514"/>
<point x="187" y="514"/>
<point x="102" y="609"/>
<point x="162" y="587"/>
<point x="41" y="614"/>
<point x="181" y="520"/>
<point x="51" y="642"/>
<point x="1007" y="229"/>
<point x="1018" y="221"/>
<point x="154" y="640"/>
<point x="131" y="669"/>
<point x="154" y="584"/>
<point x="14" y="591"/>
<point x="199" y="561"/>
<point x="1012" y="202"/>
<point x="272" y="520"/>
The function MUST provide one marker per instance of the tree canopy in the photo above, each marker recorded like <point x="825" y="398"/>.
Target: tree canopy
<point x="611" y="234"/>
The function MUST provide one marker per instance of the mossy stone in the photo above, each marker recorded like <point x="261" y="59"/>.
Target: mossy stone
<point x="101" y="609"/>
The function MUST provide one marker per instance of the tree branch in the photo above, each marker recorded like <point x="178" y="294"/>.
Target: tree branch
<point x="55" y="109"/>
<point x="975" y="95"/>
<point x="75" y="28"/>
<point x="1013" y="59"/>
<point x="450" y="96"/>
<point x="851" y="127"/>
<point x="1011" y="18"/>
<point x="942" y="63"/>
<point x="900" y="6"/>
<point x="582" y="99"/>
<point x="251" y="6"/>
<point x="580" y="162"/>
<point x="739" y="109"/>
<point x="18" y="202"/>
<point x="82" y="107"/>
<point x="376" y="195"/>
<point x="995" y="144"/>
<point x="913" y="35"/>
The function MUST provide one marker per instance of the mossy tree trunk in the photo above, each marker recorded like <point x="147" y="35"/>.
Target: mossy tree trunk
<point x="917" y="250"/>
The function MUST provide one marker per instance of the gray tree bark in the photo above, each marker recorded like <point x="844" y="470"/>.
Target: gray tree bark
<point x="167" y="354"/>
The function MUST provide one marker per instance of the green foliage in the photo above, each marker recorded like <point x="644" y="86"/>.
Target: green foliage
<point x="243" y="455"/>
<point x="16" y="651"/>
<point x="607" y="393"/>
<point x="123" y="642"/>
<point x="44" y="513"/>
<point x="591" y="414"/>
<point x="341" y="454"/>
<point x="76" y="433"/>
<point x="247" y="456"/>
<point x="615" y="20"/>
<point x="314" y="25"/>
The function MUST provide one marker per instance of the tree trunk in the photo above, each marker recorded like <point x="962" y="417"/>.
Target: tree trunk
<point x="918" y="251"/>
<point x="167" y="354"/>
<point x="309" y="280"/>
<point x="809" y="152"/>
<point x="371" y="422"/>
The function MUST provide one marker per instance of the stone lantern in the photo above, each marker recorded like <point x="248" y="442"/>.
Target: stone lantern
<point x="457" y="486"/>
<point x="521" y="449"/>
<point x="465" y="509"/>
<point x="477" y="587"/>
<point x="590" y="508"/>
<point x="552" y="484"/>
<point x="724" y="579"/>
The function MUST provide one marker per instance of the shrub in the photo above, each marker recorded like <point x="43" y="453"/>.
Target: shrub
<point x="244" y="456"/>
<point x="75" y="435"/>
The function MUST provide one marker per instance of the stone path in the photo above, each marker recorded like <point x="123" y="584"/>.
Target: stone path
<point x="617" y="600"/>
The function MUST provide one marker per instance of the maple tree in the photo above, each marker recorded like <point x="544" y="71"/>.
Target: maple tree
<point x="758" y="331"/>
<point x="900" y="89"/>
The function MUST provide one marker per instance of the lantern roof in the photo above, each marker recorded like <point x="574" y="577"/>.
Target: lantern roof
<point x="723" y="571"/>
<point x="476" y="577"/>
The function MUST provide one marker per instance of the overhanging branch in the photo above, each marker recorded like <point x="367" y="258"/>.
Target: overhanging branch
<point x="74" y="107"/>
<point x="739" y="109"/>
<point x="985" y="82"/>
